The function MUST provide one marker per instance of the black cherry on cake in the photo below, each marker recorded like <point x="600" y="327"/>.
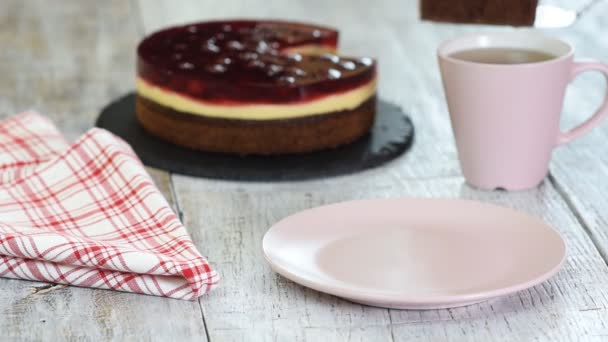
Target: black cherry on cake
<point x="253" y="87"/>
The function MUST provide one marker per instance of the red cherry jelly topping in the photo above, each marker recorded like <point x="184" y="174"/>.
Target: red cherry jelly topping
<point x="248" y="61"/>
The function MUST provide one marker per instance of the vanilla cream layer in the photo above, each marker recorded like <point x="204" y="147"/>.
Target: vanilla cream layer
<point x="343" y="101"/>
<point x="310" y="49"/>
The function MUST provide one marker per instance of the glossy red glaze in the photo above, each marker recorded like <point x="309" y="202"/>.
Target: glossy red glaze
<point x="246" y="61"/>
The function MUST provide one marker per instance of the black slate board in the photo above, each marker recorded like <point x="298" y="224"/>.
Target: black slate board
<point x="391" y="136"/>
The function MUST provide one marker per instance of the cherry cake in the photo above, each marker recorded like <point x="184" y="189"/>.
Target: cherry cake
<point x="253" y="87"/>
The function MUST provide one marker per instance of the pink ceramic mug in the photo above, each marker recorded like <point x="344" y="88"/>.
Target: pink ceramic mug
<point x="505" y="117"/>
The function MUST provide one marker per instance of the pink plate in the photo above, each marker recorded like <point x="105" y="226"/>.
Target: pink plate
<point x="414" y="253"/>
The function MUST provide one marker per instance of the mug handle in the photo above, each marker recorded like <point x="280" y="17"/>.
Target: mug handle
<point x="580" y="67"/>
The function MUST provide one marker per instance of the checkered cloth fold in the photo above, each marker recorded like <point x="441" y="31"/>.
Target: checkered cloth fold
<point x="88" y="214"/>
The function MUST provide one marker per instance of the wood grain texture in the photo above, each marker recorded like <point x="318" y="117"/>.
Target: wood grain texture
<point x="255" y="303"/>
<point x="580" y="168"/>
<point x="67" y="61"/>
<point x="228" y="221"/>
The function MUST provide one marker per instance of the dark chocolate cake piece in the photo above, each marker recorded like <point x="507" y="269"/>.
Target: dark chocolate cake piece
<point x="499" y="12"/>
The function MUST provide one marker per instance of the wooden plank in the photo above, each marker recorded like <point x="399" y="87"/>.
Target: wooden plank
<point x="37" y="311"/>
<point x="68" y="61"/>
<point x="248" y="317"/>
<point x="580" y="168"/>
<point x="577" y="6"/>
<point x="576" y="170"/>
<point x="252" y="303"/>
<point x="571" y="306"/>
<point x="228" y="221"/>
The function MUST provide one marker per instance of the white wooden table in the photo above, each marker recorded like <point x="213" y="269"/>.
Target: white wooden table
<point x="70" y="58"/>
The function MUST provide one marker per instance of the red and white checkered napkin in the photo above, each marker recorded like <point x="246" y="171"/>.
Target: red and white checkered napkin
<point x="88" y="214"/>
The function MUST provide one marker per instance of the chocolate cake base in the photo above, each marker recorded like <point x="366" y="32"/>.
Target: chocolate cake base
<point x="498" y="12"/>
<point x="258" y="137"/>
<point x="391" y="135"/>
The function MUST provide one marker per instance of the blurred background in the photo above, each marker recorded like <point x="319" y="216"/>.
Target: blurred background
<point x="70" y="58"/>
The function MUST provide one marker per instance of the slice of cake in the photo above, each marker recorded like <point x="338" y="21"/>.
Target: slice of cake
<point x="499" y="12"/>
<point x="253" y="87"/>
